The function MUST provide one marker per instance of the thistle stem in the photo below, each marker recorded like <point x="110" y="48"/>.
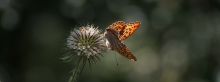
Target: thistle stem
<point x="76" y="70"/>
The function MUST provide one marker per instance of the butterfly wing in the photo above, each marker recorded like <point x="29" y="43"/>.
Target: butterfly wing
<point x="128" y="30"/>
<point x="114" y="43"/>
<point x="124" y="51"/>
<point x="117" y="26"/>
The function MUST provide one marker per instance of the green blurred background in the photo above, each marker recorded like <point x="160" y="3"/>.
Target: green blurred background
<point x="178" y="40"/>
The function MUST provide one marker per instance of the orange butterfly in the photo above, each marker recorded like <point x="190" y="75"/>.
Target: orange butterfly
<point x="117" y="33"/>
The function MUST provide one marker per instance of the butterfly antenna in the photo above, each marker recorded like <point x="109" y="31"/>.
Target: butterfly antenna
<point x="116" y="58"/>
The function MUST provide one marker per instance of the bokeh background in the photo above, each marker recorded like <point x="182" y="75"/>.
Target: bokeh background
<point x="178" y="40"/>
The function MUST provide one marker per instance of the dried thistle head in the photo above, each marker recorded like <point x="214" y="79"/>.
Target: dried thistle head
<point x="84" y="43"/>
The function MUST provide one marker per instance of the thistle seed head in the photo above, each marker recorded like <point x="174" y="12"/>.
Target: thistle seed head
<point x="85" y="41"/>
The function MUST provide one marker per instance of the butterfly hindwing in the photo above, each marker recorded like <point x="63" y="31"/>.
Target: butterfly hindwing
<point x="113" y="39"/>
<point x="124" y="51"/>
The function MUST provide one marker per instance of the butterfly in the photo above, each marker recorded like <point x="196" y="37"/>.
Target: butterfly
<point x="116" y="33"/>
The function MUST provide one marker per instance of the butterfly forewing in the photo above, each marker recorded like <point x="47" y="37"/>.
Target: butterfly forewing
<point x="129" y="29"/>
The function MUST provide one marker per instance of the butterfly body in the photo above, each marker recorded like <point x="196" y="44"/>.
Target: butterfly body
<point x="117" y="33"/>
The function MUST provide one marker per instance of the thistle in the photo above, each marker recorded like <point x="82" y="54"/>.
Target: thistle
<point x="85" y="44"/>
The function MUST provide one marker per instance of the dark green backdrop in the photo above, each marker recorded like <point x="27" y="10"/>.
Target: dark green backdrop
<point x="178" y="40"/>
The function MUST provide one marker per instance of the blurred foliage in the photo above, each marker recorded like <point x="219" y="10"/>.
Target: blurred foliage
<point x="178" y="40"/>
